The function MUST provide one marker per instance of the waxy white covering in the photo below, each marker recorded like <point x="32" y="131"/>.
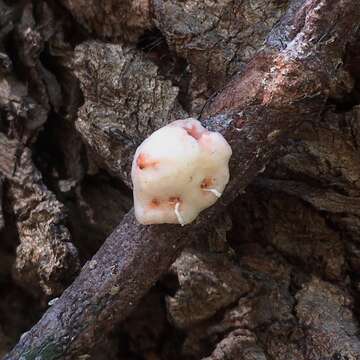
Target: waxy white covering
<point x="180" y="170"/>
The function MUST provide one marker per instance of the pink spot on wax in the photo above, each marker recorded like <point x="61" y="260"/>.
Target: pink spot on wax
<point x="154" y="203"/>
<point x="206" y="142"/>
<point x="206" y="183"/>
<point x="143" y="162"/>
<point x="173" y="200"/>
<point x="194" y="132"/>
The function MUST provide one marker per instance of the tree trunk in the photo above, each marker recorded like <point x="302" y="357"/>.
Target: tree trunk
<point x="271" y="271"/>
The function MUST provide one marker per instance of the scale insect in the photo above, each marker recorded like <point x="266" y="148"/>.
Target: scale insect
<point x="178" y="171"/>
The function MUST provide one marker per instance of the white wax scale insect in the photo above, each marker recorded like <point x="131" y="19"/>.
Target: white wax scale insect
<point x="178" y="171"/>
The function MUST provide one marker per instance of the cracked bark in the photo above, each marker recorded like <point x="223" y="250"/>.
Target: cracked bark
<point x="291" y="83"/>
<point x="41" y="225"/>
<point x="126" y="20"/>
<point x="275" y="276"/>
<point x="116" y="116"/>
<point x="46" y="259"/>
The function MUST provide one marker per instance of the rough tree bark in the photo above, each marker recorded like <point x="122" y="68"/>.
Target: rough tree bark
<point x="270" y="274"/>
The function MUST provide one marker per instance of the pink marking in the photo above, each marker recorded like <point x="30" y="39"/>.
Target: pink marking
<point x="154" y="203"/>
<point x="174" y="200"/>
<point x="206" y="183"/>
<point x="207" y="142"/>
<point x="195" y="132"/>
<point x="143" y="162"/>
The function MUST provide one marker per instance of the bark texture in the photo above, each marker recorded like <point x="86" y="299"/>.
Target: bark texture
<point x="271" y="271"/>
<point x="2" y="223"/>
<point x="217" y="38"/>
<point x="125" y="20"/>
<point x="121" y="110"/>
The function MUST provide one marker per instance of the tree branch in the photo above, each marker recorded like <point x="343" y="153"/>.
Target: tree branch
<point x="2" y="223"/>
<point x="288" y="82"/>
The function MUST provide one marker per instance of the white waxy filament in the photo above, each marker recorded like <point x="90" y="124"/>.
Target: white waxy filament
<point x="178" y="215"/>
<point x="215" y="192"/>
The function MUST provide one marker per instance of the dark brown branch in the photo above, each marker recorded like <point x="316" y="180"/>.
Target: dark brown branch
<point x="1" y="210"/>
<point x="283" y="85"/>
